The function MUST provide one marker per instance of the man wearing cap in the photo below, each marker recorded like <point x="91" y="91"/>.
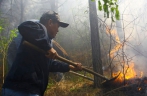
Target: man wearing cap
<point x="29" y="73"/>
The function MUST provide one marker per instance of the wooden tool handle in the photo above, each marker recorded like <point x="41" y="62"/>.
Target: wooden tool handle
<point x="64" y="60"/>
<point x="83" y="68"/>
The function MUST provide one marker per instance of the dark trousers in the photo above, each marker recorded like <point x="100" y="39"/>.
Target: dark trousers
<point x="10" y="92"/>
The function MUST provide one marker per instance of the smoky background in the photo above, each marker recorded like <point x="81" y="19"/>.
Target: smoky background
<point x="130" y="29"/>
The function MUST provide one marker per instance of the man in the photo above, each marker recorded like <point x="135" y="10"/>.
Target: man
<point x="12" y="50"/>
<point x="28" y="75"/>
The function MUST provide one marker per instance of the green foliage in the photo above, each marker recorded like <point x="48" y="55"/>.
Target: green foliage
<point x="4" y="44"/>
<point x="12" y="34"/>
<point x="4" y="41"/>
<point x="51" y="83"/>
<point x="109" y="6"/>
<point x="100" y="6"/>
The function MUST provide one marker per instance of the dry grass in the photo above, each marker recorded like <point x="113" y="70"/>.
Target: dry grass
<point x="68" y="88"/>
<point x="77" y="86"/>
<point x="72" y="87"/>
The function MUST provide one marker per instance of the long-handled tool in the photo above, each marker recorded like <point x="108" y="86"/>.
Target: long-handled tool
<point x="70" y="62"/>
<point x="75" y="73"/>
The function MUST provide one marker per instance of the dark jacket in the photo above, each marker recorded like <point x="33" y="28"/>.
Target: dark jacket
<point x="30" y="69"/>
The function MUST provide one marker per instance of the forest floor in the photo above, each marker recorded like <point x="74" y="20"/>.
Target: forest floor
<point x="76" y="86"/>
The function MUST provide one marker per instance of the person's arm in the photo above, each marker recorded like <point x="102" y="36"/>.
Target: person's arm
<point x="35" y="34"/>
<point x="56" y="66"/>
<point x="77" y="68"/>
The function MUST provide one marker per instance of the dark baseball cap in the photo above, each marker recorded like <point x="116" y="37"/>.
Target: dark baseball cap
<point x="54" y="16"/>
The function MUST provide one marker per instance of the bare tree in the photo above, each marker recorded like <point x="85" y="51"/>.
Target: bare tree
<point x="21" y="11"/>
<point x="1" y="1"/>
<point x="95" y="42"/>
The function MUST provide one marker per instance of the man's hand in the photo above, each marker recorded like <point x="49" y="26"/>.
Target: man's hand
<point x="52" y="53"/>
<point x="78" y="67"/>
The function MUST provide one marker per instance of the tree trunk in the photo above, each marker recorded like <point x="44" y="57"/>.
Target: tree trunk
<point x="95" y="43"/>
<point x="1" y="2"/>
<point x="21" y="11"/>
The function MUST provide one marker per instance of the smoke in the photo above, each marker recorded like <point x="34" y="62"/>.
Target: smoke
<point x="133" y="23"/>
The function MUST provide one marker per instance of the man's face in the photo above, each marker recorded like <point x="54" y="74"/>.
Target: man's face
<point x="52" y="29"/>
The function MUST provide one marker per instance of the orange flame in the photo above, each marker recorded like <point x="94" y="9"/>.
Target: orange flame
<point x="128" y="73"/>
<point x="139" y="88"/>
<point x="116" y="47"/>
<point x="141" y="74"/>
<point x="128" y="70"/>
